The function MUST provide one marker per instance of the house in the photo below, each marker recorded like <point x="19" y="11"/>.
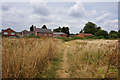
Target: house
<point x="25" y="33"/>
<point x="59" y="34"/>
<point x="84" y="35"/>
<point x="8" y="33"/>
<point x="43" y="32"/>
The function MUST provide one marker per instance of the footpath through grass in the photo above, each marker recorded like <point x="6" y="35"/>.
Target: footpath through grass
<point x="54" y="66"/>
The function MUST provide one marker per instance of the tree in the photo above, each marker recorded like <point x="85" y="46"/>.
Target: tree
<point x="102" y="33"/>
<point x="63" y="29"/>
<point x="44" y="27"/>
<point x="32" y="28"/>
<point x="113" y="34"/>
<point x="90" y="28"/>
<point x="81" y="31"/>
<point x="57" y="29"/>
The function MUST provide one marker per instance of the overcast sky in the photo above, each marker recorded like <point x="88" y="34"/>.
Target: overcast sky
<point x="21" y="15"/>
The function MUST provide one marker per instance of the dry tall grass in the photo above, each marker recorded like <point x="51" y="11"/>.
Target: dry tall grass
<point x="27" y="57"/>
<point x="93" y="59"/>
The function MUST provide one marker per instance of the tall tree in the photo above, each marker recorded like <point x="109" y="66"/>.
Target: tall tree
<point x="63" y="29"/>
<point x="102" y="33"/>
<point x="57" y="29"/>
<point x="90" y="28"/>
<point x="81" y="31"/>
<point x="32" y="28"/>
<point x="44" y="27"/>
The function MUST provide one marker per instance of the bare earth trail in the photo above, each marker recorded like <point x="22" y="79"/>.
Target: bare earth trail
<point x="64" y="67"/>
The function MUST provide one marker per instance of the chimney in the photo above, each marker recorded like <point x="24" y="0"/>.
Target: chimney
<point x="35" y="30"/>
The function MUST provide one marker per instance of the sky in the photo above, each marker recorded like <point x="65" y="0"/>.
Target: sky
<point x="21" y="15"/>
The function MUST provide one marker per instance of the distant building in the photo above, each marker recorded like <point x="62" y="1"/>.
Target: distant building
<point x="25" y="33"/>
<point x="59" y="34"/>
<point x="84" y="35"/>
<point x="8" y="33"/>
<point x="43" y="32"/>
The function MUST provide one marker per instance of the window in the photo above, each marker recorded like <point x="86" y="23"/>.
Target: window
<point x="49" y="34"/>
<point x="12" y="33"/>
<point x="5" y="33"/>
<point x="45" y="34"/>
<point x="40" y="34"/>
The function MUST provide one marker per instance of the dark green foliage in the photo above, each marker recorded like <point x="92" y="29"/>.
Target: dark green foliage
<point x="81" y="31"/>
<point x="57" y="29"/>
<point x="44" y="27"/>
<point x="32" y="28"/>
<point x="102" y="33"/>
<point x="113" y="34"/>
<point x="64" y="30"/>
<point x="90" y="28"/>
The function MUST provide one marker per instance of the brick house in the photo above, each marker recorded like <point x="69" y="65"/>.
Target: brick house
<point x="59" y="34"/>
<point x="25" y="33"/>
<point x="84" y="35"/>
<point x="8" y="33"/>
<point x="43" y="32"/>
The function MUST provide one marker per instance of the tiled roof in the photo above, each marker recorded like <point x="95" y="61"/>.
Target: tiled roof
<point x="40" y="30"/>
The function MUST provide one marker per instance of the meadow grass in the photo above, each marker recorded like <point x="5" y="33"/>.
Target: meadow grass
<point x="27" y="57"/>
<point x="41" y="58"/>
<point x="93" y="59"/>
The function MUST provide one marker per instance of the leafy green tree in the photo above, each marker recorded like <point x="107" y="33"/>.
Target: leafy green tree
<point x="90" y="28"/>
<point x="102" y="33"/>
<point x="113" y="34"/>
<point x="81" y="31"/>
<point x="44" y="27"/>
<point x="57" y="29"/>
<point x="64" y="30"/>
<point x="32" y="28"/>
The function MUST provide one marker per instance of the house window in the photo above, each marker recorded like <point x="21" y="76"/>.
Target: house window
<point x="5" y="33"/>
<point x="49" y="34"/>
<point x="12" y="33"/>
<point x="45" y="34"/>
<point x="40" y="34"/>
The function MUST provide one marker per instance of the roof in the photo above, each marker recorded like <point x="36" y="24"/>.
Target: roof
<point x="59" y="33"/>
<point x="85" y="34"/>
<point x="7" y="29"/>
<point x="41" y="30"/>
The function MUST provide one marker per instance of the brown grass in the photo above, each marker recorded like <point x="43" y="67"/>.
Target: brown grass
<point x="93" y="59"/>
<point x="27" y="57"/>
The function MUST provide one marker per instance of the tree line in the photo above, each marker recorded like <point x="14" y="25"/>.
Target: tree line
<point x="89" y="27"/>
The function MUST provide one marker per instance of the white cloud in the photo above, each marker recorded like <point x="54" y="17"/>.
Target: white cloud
<point x="110" y="25"/>
<point x="40" y="8"/>
<point x="79" y="11"/>
<point x="103" y="17"/>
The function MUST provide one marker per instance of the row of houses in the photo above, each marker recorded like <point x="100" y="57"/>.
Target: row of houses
<point x="41" y="32"/>
<point x="37" y="32"/>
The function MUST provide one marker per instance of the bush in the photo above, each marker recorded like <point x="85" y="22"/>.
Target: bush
<point x="65" y="38"/>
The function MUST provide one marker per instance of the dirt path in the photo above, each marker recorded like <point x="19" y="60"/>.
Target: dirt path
<point x="63" y="72"/>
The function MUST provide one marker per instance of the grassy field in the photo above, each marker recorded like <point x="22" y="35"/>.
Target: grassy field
<point x="53" y="58"/>
<point x="27" y="57"/>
